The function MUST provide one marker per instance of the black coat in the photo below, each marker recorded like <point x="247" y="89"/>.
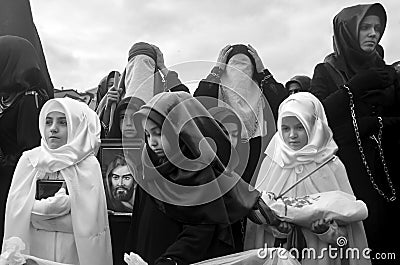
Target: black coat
<point x="273" y="91"/>
<point x="154" y="235"/>
<point x="19" y="131"/>
<point x="326" y="85"/>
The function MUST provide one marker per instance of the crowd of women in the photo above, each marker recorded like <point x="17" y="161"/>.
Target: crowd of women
<point x="210" y="158"/>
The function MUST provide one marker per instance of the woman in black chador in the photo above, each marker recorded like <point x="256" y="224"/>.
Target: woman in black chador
<point x="360" y="94"/>
<point x="23" y="92"/>
<point x="188" y="195"/>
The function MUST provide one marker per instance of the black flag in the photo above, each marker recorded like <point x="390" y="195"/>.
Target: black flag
<point x="16" y="19"/>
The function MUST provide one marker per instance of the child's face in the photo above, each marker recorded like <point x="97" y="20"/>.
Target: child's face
<point x="127" y="126"/>
<point x="156" y="141"/>
<point x="233" y="130"/>
<point x="56" y="129"/>
<point x="293" y="132"/>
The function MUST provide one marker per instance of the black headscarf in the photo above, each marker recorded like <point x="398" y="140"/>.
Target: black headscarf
<point x="144" y="49"/>
<point x="19" y="66"/>
<point x="348" y="57"/>
<point x="303" y="81"/>
<point x="226" y="115"/>
<point x="19" y="70"/>
<point x="194" y="185"/>
<point x="102" y="88"/>
<point x="129" y="102"/>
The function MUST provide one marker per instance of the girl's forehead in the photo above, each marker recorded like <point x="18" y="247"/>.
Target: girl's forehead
<point x="290" y="119"/>
<point x="149" y="124"/>
<point x="55" y="114"/>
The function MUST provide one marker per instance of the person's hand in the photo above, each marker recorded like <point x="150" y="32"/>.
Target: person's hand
<point x="133" y="259"/>
<point x="160" y="61"/>
<point x="372" y="79"/>
<point x="391" y="73"/>
<point x="113" y="96"/>
<point x="284" y="227"/>
<point x="257" y="59"/>
<point x="223" y="55"/>
<point x="320" y="226"/>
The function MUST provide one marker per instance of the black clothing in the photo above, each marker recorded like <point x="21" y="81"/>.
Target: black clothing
<point x="273" y="91"/>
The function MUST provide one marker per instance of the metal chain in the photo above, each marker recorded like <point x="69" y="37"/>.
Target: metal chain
<point x="379" y="143"/>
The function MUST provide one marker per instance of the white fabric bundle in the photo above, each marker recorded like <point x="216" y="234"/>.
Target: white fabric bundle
<point x="332" y="205"/>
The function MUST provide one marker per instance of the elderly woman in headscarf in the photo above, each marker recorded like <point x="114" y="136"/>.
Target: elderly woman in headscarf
<point x="22" y="94"/>
<point x="365" y="126"/>
<point x="188" y="195"/>
<point x="71" y="225"/>
<point x="240" y="80"/>
<point x="144" y="76"/>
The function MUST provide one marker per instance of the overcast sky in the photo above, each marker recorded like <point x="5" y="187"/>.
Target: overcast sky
<point x="84" y="40"/>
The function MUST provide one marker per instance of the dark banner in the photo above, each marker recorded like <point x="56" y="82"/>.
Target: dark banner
<point x="16" y="19"/>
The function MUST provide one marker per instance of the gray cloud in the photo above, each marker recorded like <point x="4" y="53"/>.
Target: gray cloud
<point x="84" y="41"/>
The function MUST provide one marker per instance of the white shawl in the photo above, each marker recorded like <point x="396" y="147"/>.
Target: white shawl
<point x="243" y="94"/>
<point x="80" y="169"/>
<point x="141" y="79"/>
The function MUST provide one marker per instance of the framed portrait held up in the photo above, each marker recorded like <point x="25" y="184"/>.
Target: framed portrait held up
<point x="120" y="166"/>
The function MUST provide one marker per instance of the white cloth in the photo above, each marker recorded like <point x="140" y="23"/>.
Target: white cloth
<point x="282" y="167"/>
<point x="134" y="259"/>
<point x="141" y="79"/>
<point x="242" y="93"/>
<point x="331" y="205"/>
<point x="78" y="166"/>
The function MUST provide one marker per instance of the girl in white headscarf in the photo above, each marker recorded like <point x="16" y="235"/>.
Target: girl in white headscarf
<point x="71" y="226"/>
<point x="304" y="141"/>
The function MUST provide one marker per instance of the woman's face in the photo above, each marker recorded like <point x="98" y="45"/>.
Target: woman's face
<point x="127" y="126"/>
<point x="369" y="33"/>
<point x="155" y="140"/>
<point x="233" y="130"/>
<point x="110" y="83"/>
<point x="56" y="130"/>
<point x="293" y="132"/>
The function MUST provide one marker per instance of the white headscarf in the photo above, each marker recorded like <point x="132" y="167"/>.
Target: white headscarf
<point x="243" y="95"/>
<point x="141" y="79"/>
<point x="283" y="166"/>
<point x="80" y="169"/>
<point x="310" y="112"/>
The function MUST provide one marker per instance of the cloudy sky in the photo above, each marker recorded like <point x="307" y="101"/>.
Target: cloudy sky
<point x="84" y="40"/>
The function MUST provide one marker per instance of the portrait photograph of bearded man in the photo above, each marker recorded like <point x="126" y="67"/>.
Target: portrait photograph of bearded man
<point x="120" y="185"/>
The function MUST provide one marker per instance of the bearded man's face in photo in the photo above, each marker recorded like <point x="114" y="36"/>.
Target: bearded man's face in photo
<point x="122" y="183"/>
